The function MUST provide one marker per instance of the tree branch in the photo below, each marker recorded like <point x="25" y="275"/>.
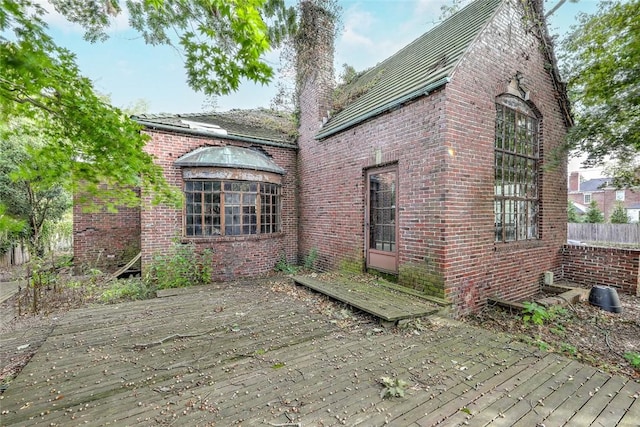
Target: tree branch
<point x="554" y="8"/>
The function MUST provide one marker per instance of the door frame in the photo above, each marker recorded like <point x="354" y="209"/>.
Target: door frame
<point x="385" y="261"/>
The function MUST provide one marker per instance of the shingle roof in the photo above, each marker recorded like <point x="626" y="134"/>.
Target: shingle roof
<point x="594" y="184"/>
<point x="417" y="69"/>
<point x="261" y="125"/>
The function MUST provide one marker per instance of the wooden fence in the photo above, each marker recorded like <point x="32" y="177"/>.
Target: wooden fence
<point x="16" y="255"/>
<point x="628" y="234"/>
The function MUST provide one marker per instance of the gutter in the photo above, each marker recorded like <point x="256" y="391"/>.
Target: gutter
<point x="386" y="107"/>
<point x="196" y="132"/>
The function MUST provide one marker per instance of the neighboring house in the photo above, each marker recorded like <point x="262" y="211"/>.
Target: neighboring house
<point x="432" y="169"/>
<point x="580" y="209"/>
<point x="605" y="195"/>
<point x="633" y="212"/>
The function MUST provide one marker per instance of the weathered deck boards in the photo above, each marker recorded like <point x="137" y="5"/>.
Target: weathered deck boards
<point x="382" y="302"/>
<point x="255" y="355"/>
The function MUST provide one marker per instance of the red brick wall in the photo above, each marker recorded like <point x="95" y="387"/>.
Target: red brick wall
<point x="443" y="146"/>
<point x="332" y="185"/>
<point x="476" y="267"/>
<point x="105" y="240"/>
<point x="590" y="265"/>
<point x="238" y="256"/>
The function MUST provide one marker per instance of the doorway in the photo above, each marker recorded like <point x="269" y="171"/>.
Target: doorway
<point x="381" y="219"/>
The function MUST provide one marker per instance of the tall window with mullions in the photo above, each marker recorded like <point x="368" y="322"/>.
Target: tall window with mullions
<point x="269" y="208"/>
<point x="516" y="203"/>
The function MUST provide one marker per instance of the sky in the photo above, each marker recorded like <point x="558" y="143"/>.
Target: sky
<point x="129" y="71"/>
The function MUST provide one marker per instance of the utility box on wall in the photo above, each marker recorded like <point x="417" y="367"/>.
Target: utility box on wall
<point x="548" y="278"/>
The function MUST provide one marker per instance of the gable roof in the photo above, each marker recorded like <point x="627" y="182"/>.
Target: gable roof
<point x="262" y="126"/>
<point x="595" y="184"/>
<point x="424" y="65"/>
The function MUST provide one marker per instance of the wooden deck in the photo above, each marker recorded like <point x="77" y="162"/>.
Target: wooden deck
<point x="383" y="302"/>
<point x="265" y="354"/>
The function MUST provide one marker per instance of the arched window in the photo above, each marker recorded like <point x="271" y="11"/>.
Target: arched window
<point x="516" y="204"/>
<point x="230" y="191"/>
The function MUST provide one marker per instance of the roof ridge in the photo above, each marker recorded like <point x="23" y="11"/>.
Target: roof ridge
<point x="422" y="65"/>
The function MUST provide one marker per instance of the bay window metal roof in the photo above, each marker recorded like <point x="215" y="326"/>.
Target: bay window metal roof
<point x="229" y="157"/>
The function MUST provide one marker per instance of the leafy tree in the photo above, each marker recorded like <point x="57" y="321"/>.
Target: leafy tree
<point x="619" y="215"/>
<point x="90" y="146"/>
<point x="222" y="41"/>
<point x="572" y="213"/>
<point x="601" y="65"/>
<point x="593" y="215"/>
<point x="83" y="140"/>
<point x="28" y="198"/>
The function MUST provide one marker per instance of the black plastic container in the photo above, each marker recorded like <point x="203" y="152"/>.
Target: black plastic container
<point x="606" y="298"/>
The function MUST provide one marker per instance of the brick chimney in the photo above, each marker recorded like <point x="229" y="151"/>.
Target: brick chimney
<point x="574" y="181"/>
<point x="314" y="65"/>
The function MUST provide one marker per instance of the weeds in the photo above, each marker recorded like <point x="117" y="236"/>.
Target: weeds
<point x="284" y="266"/>
<point x="542" y="346"/>
<point x="538" y="314"/>
<point x="568" y="349"/>
<point x="182" y="267"/>
<point x="558" y="330"/>
<point x="126" y="289"/>
<point x="392" y="387"/>
<point x="633" y="358"/>
<point x="310" y="259"/>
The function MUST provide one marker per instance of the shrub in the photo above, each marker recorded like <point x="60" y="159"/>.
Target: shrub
<point x="182" y="267"/>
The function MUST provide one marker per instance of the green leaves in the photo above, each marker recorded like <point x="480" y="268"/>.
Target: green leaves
<point x="223" y="41"/>
<point x="593" y="215"/>
<point x="619" y="214"/>
<point x="538" y="314"/>
<point x="601" y="57"/>
<point x="85" y="145"/>
<point x="28" y="200"/>
<point x="392" y="387"/>
<point x="535" y="313"/>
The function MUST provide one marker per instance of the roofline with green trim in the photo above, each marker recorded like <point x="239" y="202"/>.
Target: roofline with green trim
<point x="384" y="108"/>
<point x="195" y="132"/>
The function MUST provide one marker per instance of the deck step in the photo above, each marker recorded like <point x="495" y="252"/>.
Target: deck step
<point x="387" y="304"/>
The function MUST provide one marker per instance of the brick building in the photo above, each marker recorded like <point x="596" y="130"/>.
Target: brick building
<point x="430" y="168"/>
<point x="238" y="173"/>
<point x="601" y="190"/>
